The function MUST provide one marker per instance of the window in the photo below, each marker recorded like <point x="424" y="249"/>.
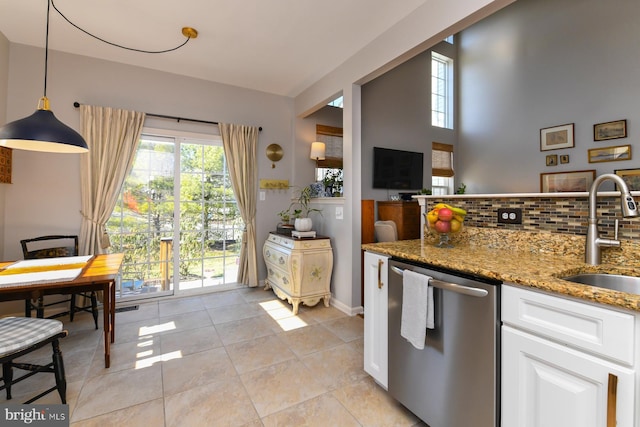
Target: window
<point x="177" y="219"/>
<point x="337" y="102"/>
<point x="441" y="168"/>
<point x="441" y="91"/>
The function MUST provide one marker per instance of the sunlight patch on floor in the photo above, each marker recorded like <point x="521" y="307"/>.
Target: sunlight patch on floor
<point x="282" y="314"/>
<point x="156" y="329"/>
<point x="150" y="361"/>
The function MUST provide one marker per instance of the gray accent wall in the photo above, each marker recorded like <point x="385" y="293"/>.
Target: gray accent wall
<point x="533" y="64"/>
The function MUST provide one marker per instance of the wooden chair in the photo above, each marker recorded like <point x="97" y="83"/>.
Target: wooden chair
<point x="20" y="336"/>
<point x="386" y="231"/>
<point x="49" y="247"/>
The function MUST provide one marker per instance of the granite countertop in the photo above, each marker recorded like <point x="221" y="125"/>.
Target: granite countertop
<point x="534" y="260"/>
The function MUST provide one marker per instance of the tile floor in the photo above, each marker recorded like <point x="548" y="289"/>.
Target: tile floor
<point x="233" y="358"/>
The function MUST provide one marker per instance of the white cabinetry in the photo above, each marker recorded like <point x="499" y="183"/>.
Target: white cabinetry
<point x="566" y="363"/>
<point x="375" y="316"/>
<point x="299" y="270"/>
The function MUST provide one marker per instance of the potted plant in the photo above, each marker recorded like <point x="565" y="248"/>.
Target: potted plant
<point x="333" y="182"/>
<point x="302" y="209"/>
<point x="284" y="226"/>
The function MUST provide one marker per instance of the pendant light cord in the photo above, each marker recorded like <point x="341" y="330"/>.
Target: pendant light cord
<point x="46" y="49"/>
<point x="105" y="41"/>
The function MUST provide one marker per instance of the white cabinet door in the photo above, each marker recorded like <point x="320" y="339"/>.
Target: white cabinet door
<point x="375" y="317"/>
<point x="545" y="384"/>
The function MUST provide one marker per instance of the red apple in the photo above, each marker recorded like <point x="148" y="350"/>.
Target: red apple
<point x="445" y="214"/>
<point x="442" y="226"/>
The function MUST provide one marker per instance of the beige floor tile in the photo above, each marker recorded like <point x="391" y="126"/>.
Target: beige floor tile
<point x="336" y="367"/>
<point x="245" y="329"/>
<point x="183" y="373"/>
<point x="230" y="313"/>
<point x="257" y="294"/>
<point x="310" y="339"/>
<point x="347" y="328"/>
<point x="145" y="311"/>
<point x="373" y="406"/>
<point x="185" y="321"/>
<point x="280" y="386"/>
<point x="320" y="313"/>
<point x="321" y="411"/>
<point x="222" y="403"/>
<point x="127" y="355"/>
<point x="107" y="393"/>
<point x="191" y="341"/>
<point x="145" y="414"/>
<point x="258" y="353"/>
<point x="179" y="306"/>
<point x="222" y="299"/>
<point x="140" y="329"/>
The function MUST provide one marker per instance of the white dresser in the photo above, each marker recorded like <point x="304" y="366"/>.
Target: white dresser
<point x="299" y="270"/>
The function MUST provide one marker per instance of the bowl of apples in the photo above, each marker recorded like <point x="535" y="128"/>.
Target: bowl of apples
<point x="444" y="220"/>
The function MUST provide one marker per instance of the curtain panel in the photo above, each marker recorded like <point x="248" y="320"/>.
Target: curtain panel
<point x="113" y="136"/>
<point x="240" y="150"/>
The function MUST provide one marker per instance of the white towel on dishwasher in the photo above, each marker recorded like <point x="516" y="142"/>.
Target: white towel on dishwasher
<point x="417" y="308"/>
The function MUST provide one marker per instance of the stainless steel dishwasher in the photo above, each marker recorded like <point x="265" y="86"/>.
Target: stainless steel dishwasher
<point x="454" y="381"/>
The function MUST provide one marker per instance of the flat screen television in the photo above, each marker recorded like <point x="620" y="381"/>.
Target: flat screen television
<point x="397" y="169"/>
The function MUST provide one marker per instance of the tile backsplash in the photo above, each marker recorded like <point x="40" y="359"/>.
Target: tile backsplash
<point x="565" y="215"/>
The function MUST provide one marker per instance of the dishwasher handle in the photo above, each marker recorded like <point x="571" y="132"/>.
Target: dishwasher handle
<point x="447" y="286"/>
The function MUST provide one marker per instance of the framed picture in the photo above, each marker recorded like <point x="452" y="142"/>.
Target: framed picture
<point x="557" y="137"/>
<point x="610" y="154"/>
<point x="631" y="177"/>
<point x="564" y="158"/>
<point x="552" y="160"/>
<point x="560" y="182"/>
<point x="610" y="130"/>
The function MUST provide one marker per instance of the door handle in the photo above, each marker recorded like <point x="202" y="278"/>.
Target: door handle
<point x="380" y="284"/>
<point x="612" y="397"/>
<point x="453" y="287"/>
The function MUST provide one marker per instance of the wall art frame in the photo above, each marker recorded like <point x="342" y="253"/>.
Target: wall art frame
<point x="572" y="181"/>
<point x="610" y="154"/>
<point x="557" y="137"/>
<point x="631" y="177"/>
<point x="552" y="160"/>
<point x="610" y="130"/>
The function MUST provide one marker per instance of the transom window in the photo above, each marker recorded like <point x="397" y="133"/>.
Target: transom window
<point x="441" y="91"/>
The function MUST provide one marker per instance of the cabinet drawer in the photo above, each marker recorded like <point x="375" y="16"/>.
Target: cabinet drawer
<point x="600" y="331"/>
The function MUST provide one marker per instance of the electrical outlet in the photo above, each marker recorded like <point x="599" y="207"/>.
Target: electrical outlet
<point x="510" y="216"/>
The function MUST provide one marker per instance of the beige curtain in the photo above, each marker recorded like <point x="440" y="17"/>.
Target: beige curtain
<point x="112" y="136"/>
<point x="240" y="148"/>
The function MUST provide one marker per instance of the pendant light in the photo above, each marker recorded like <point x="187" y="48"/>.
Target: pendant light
<point x="42" y="131"/>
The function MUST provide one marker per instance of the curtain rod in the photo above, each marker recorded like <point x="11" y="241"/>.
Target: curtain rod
<point x="178" y="119"/>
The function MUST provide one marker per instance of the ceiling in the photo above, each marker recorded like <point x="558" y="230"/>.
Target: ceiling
<point x="276" y="46"/>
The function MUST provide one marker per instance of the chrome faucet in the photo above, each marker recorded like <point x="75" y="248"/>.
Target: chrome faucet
<point x="629" y="209"/>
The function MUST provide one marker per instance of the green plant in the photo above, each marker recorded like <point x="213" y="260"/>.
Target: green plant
<point x="426" y="191"/>
<point x="461" y="189"/>
<point x="285" y="216"/>
<point x="303" y="199"/>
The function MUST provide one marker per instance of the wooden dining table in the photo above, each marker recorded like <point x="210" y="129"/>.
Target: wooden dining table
<point x="99" y="274"/>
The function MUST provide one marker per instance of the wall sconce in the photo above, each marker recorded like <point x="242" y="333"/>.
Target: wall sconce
<point x="317" y="151"/>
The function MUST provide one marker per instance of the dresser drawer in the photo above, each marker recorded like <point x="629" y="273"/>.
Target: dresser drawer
<point x="600" y="331"/>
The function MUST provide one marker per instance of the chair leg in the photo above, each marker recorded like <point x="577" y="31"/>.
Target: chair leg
<point x="58" y="371"/>
<point x="94" y="307"/>
<point x="40" y="308"/>
<point x="72" y="307"/>
<point x="7" y="376"/>
<point x="27" y="308"/>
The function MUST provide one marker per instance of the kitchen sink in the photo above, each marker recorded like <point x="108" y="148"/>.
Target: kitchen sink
<point x="614" y="282"/>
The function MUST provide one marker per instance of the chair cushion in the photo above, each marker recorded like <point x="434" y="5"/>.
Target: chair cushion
<point x="17" y="333"/>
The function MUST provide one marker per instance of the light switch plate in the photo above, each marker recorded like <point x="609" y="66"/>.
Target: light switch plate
<point x="339" y="212"/>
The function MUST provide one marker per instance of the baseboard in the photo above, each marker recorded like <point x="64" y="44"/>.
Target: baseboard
<point x="351" y="311"/>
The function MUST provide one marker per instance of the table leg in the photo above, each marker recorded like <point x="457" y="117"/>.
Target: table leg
<point x="113" y="311"/>
<point x="106" y="293"/>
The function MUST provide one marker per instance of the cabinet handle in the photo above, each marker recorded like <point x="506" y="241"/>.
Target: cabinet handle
<point x="612" y="395"/>
<point x="380" y="262"/>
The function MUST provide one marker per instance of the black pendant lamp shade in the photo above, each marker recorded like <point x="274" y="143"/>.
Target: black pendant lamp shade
<point x="42" y="131"/>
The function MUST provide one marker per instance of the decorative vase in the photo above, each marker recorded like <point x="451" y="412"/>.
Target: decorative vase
<point x="303" y="224"/>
